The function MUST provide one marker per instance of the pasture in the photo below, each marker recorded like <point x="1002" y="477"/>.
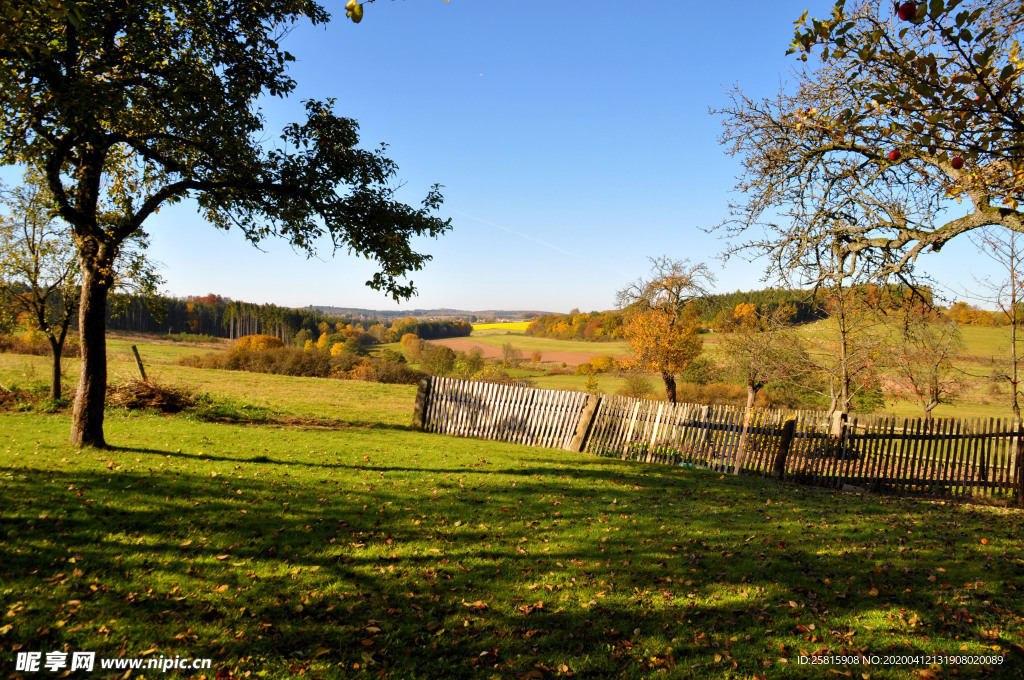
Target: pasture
<point x="327" y="539"/>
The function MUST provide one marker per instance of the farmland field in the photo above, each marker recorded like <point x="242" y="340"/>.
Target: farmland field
<point x="368" y="549"/>
<point x="513" y="326"/>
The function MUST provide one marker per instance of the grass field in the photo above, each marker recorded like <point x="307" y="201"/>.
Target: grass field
<point x="370" y="550"/>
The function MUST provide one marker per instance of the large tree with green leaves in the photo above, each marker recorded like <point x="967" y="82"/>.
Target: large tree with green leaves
<point x="889" y="125"/>
<point x="131" y="106"/>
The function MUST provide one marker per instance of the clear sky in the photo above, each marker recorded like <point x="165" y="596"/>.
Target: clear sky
<point x="573" y="139"/>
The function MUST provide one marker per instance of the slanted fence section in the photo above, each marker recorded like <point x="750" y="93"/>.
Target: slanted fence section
<point x="941" y="457"/>
<point x="508" y="413"/>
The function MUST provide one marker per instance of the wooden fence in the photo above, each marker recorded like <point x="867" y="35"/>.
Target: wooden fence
<point x="946" y="456"/>
<point x="508" y="413"/>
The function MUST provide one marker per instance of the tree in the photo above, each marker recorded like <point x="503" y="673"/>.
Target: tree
<point x="39" y="268"/>
<point x="891" y="123"/>
<point x="662" y="318"/>
<point x="662" y="344"/>
<point x="1007" y="293"/>
<point x="845" y="349"/>
<point x="921" y="361"/>
<point x="131" y="106"/>
<point x="763" y="349"/>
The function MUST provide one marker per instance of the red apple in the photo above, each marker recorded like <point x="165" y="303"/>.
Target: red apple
<point x="894" y="155"/>
<point x="908" y="11"/>
<point x="957" y="162"/>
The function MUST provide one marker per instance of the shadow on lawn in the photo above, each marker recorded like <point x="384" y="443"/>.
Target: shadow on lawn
<point x="638" y="568"/>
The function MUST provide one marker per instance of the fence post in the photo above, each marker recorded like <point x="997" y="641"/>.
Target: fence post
<point x="586" y="422"/>
<point x="1019" y="465"/>
<point x="419" y="414"/>
<point x="138" y="363"/>
<point x="785" y="442"/>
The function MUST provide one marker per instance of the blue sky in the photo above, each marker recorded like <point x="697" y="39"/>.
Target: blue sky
<point x="573" y="139"/>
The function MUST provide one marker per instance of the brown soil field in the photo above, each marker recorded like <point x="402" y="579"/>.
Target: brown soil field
<point x="491" y="352"/>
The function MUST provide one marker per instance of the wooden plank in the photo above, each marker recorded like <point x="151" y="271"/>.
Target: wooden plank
<point x="885" y="451"/>
<point x="949" y="456"/>
<point x="652" y="446"/>
<point x="442" y="406"/>
<point x="531" y="411"/>
<point x="957" y="466"/>
<point x="564" y="425"/>
<point x="493" y="391"/>
<point x="545" y="403"/>
<point x="942" y="465"/>
<point x="504" y="429"/>
<point x="899" y="465"/>
<point x="971" y="451"/>
<point x="985" y="467"/>
<point x="629" y="432"/>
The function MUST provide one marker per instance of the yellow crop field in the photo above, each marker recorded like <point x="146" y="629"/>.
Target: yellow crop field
<point x="505" y="326"/>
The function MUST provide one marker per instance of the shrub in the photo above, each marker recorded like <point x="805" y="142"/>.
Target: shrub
<point x="585" y="368"/>
<point x="395" y="373"/>
<point x="536" y="357"/>
<point x="437" y="359"/>
<point x="637" y="386"/>
<point x="391" y="356"/>
<point x="257" y="343"/>
<point x="604" y="363"/>
<point x="35" y="343"/>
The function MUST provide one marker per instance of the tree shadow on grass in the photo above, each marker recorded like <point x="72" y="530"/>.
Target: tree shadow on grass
<point x="440" y="571"/>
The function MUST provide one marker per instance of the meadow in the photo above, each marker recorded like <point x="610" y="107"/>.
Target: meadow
<point x="349" y="545"/>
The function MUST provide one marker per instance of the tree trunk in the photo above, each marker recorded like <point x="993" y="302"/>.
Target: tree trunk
<point x="751" y="395"/>
<point x="57" y="349"/>
<point x="670" y="387"/>
<point x="87" y="415"/>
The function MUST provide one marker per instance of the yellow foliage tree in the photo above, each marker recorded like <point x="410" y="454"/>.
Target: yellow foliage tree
<point x="257" y="343"/>
<point x="337" y="348"/>
<point x="321" y="342"/>
<point x="745" y="314"/>
<point x="662" y="343"/>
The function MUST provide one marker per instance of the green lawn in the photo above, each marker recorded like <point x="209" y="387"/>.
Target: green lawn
<point x="370" y="550"/>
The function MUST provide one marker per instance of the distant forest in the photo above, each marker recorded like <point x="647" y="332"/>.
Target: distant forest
<point x="225" y="318"/>
<point x="714" y="312"/>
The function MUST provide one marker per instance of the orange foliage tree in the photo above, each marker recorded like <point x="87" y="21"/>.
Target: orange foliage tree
<point x="662" y="317"/>
<point x="662" y="343"/>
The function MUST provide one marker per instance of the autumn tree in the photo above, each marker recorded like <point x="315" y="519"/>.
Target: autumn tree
<point x="1006" y="291"/>
<point x="663" y="344"/>
<point x="38" y="268"/>
<point x="921" y="360"/>
<point x="662" y="318"/>
<point x="39" y="271"/>
<point x="169" y="90"/>
<point x="887" y="124"/>
<point x="763" y="349"/>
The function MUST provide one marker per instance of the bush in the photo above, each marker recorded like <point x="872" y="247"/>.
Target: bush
<point x="35" y="343"/>
<point x="312" y="364"/>
<point x="637" y="386"/>
<point x="437" y="359"/>
<point x="713" y="394"/>
<point x="257" y="343"/>
<point x="191" y="337"/>
<point x="585" y="368"/>
<point x="391" y="356"/>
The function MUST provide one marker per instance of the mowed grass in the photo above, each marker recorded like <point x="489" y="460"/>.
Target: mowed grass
<point x="371" y="550"/>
